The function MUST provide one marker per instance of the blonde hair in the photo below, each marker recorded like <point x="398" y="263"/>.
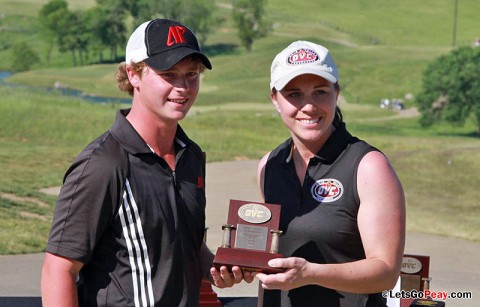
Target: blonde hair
<point x="123" y="83"/>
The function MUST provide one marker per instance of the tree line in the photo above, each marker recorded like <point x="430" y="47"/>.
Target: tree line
<point x="451" y="88"/>
<point x="450" y="91"/>
<point x="88" y="34"/>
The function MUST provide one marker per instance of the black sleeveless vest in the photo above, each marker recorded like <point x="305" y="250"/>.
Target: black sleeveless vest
<point x="319" y="219"/>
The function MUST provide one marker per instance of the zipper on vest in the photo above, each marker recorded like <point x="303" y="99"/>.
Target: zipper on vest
<point x="174" y="177"/>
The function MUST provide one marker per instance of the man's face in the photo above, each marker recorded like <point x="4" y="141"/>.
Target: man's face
<point x="169" y="94"/>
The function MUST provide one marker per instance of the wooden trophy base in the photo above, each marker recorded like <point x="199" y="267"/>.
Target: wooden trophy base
<point x="250" y="260"/>
<point x="426" y="302"/>
<point x="208" y="298"/>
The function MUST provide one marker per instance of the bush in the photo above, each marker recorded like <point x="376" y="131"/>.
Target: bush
<point x="23" y="57"/>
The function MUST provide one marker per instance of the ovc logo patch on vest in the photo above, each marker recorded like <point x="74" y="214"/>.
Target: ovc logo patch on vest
<point x="327" y="190"/>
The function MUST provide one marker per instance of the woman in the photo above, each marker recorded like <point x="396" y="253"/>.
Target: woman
<point x="343" y="207"/>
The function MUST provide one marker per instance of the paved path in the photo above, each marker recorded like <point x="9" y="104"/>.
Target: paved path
<point x="452" y="262"/>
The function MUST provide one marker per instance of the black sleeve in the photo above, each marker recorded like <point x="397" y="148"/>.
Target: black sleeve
<point x="88" y="199"/>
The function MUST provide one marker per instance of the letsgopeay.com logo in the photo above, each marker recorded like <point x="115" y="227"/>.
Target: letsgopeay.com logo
<point x="327" y="190"/>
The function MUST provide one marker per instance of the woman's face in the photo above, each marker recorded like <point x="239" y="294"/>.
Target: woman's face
<point x="307" y="107"/>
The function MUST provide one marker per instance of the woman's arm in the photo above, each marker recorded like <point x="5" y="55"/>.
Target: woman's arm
<point x="381" y="221"/>
<point x="261" y="173"/>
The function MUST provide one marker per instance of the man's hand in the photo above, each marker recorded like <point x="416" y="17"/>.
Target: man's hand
<point x="224" y="279"/>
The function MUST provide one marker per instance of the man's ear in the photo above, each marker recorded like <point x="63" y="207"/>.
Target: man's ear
<point x="133" y="76"/>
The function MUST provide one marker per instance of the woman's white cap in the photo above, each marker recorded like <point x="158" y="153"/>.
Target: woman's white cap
<point x="299" y="58"/>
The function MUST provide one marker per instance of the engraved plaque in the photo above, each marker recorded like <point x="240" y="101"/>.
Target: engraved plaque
<point x="251" y="237"/>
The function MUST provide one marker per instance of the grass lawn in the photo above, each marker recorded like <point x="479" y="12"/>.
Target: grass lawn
<point x="41" y="133"/>
<point x="381" y="50"/>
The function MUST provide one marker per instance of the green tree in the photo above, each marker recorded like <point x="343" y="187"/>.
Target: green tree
<point x="197" y="14"/>
<point x="200" y="18"/>
<point x="23" y="57"/>
<point x="248" y="16"/>
<point x="94" y="18"/>
<point x="64" y="28"/>
<point x="111" y="28"/>
<point x="451" y="88"/>
<point x="49" y="16"/>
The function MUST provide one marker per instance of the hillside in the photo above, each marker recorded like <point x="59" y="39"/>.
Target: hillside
<point x="381" y="49"/>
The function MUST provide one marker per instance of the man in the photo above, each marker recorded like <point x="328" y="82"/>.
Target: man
<point x="129" y="222"/>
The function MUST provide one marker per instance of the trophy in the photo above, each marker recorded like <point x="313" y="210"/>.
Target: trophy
<point x="250" y="237"/>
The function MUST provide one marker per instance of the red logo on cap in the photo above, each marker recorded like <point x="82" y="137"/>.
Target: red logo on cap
<point x="302" y="56"/>
<point x="175" y="35"/>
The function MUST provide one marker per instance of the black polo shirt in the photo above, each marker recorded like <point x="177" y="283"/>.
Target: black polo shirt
<point x="135" y="224"/>
<point x="319" y="218"/>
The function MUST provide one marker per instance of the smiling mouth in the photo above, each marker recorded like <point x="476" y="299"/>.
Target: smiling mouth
<point x="179" y="101"/>
<point x="309" y="121"/>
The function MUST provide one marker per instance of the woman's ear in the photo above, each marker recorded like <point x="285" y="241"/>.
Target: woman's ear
<point x="276" y="107"/>
<point x="273" y="97"/>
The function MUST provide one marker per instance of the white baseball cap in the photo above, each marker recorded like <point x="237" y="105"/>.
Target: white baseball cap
<point x="299" y="58"/>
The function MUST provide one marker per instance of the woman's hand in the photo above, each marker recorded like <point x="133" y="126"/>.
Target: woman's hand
<point x="295" y="275"/>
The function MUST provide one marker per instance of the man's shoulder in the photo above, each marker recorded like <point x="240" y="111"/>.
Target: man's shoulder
<point x="103" y="152"/>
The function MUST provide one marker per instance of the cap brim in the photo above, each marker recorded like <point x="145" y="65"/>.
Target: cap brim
<point x="280" y="83"/>
<point x="167" y="59"/>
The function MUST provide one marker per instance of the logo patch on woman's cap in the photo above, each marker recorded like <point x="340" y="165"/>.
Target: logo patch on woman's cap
<point x="302" y="56"/>
<point x="327" y="190"/>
